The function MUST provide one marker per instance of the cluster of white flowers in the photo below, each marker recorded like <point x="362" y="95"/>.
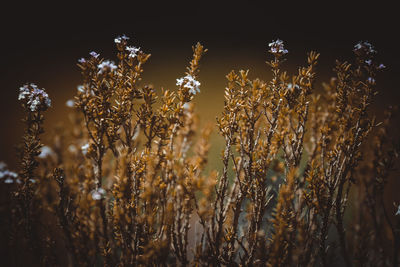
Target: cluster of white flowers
<point x="106" y="65"/>
<point x="119" y="39"/>
<point x="98" y="194"/>
<point x="365" y="47"/>
<point x="132" y="51"/>
<point x="277" y="47"/>
<point x="34" y="96"/>
<point x="10" y="177"/>
<point x="189" y="82"/>
<point x="366" y="51"/>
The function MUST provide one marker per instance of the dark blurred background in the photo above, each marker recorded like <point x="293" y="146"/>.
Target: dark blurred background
<point x="41" y="43"/>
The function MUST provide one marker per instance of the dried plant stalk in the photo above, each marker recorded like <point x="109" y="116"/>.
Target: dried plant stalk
<point x="127" y="184"/>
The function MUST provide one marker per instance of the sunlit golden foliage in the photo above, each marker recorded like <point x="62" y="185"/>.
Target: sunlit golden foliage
<point x="127" y="184"/>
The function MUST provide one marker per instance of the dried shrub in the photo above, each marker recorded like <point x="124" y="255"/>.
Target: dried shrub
<point x="127" y="186"/>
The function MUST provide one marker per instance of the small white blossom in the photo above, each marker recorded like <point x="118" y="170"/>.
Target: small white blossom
<point x="132" y="51"/>
<point x="277" y="47"/>
<point x="398" y="211"/>
<point x="94" y="54"/>
<point x="34" y="96"/>
<point x="8" y="181"/>
<point x="10" y="176"/>
<point x="70" y="103"/>
<point x="119" y="39"/>
<point x="81" y="88"/>
<point x="368" y="62"/>
<point x="106" y="65"/>
<point x="3" y="173"/>
<point x="85" y="149"/>
<point x="371" y="80"/>
<point x="381" y="66"/>
<point x="82" y="60"/>
<point x="45" y="152"/>
<point x="189" y="82"/>
<point x="292" y="88"/>
<point x="98" y="193"/>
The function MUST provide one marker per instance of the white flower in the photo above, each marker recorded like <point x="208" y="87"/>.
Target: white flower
<point x="85" y="149"/>
<point x="277" y="47"/>
<point x="45" y="152"/>
<point x="119" y="39"/>
<point x="364" y="47"/>
<point x="133" y="51"/>
<point x="292" y="88"/>
<point x="81" y="88"/>
<point x="8" y="181"/>
<point x="34" y="96"/>
<point x="82" y="60"/>
<point x="189" y="82"/>
<point x="10" y="177"/>
<point x="70" y="103"/>
<point x="381" y="66"/>
<point x="94" y="54"/>
<point x="371" y="80"/>
<point x="98" y="193"/>
<point x="106" y="65"/>
<point x="10" y="174"/>
<point x="398" y="211"/>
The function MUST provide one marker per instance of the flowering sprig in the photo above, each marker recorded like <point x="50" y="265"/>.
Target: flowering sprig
<point x="190" y="83"/>
<point x="277" y="48"/>
<point x="133" y="51"/>
<point x="8" y="176"/>
<point x="94" y="54"/>
<point x="364" y="47"/>
<point x="34" y="99"/>
<point x="106" y="66"/>
<point x="365" y="53"/>
<point x="121" y="39"/>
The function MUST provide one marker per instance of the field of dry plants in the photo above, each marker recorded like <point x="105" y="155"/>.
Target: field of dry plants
<point x="302" y="179"/>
